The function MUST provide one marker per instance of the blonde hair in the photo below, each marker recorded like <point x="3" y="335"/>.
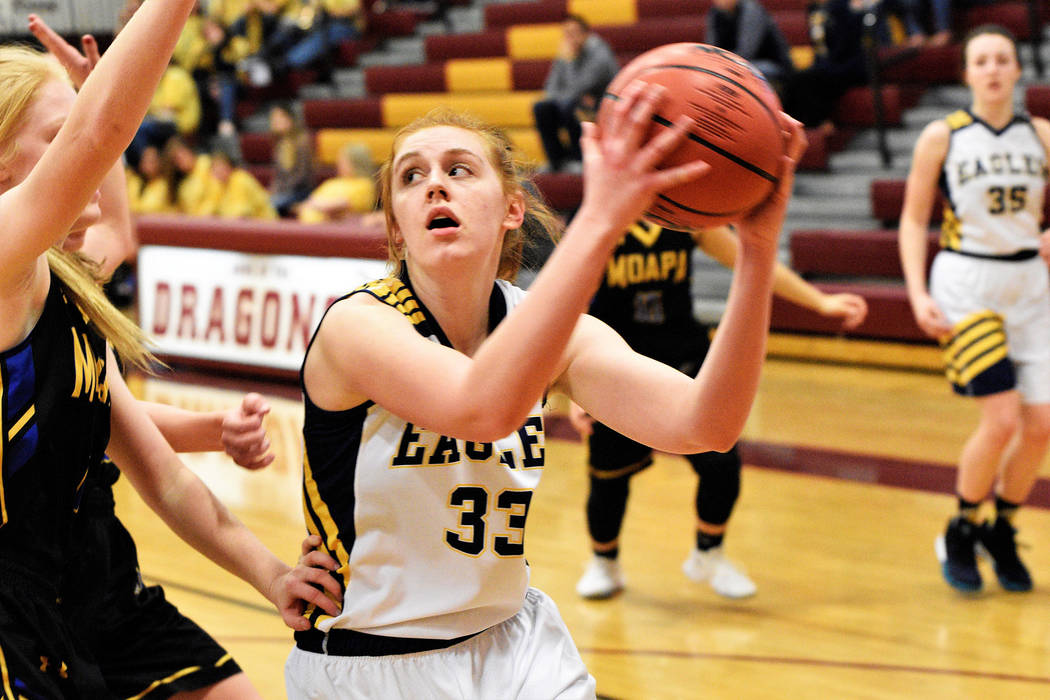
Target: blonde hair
<point x="539" y="221"/>
<point x="22" y="73"/>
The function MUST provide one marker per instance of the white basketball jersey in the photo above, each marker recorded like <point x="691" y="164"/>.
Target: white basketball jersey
<point x="428" y="529"/>
<point x="994" y="184"/>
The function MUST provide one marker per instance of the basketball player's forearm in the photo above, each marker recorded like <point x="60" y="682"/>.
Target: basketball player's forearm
<point x="730" y="373"/>
<point x="187" y="431"/>
<point x="787" y="284"/>
<point x="912" y="242"/>
<point x="112" y="240"/>
<point x="193" y="512"/>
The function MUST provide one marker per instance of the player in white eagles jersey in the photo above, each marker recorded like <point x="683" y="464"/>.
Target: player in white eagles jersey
<point x="988" y="300"/>
<point x="423" y="426"/>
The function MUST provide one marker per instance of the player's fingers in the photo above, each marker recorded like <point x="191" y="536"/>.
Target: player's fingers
<point x="622" y="109"/>
<point x="258" y="462"/>
<point x="90" y="49"/>
<point x="664" y="143"/>
<point x="292" y="616"/>
<point x="641" y="115"/>
<point x="310" y="542"/>
<point x="255" y="404"/>
<point x="680" y="174"/>
<point x="320" y="559"/>
<point x="315" y="597"/>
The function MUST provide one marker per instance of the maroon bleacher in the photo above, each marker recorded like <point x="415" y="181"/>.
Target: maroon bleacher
<point x="846" y="253"/>
<point x="889" y="314"/>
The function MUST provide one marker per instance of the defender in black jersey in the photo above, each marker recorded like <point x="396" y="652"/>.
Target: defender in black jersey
<point x="646" y="296"/>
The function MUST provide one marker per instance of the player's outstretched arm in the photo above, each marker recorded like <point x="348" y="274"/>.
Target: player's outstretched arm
<point x="721" y="244"/>
<point x="186" y="505"/>
<point x="103" y="118"/>
<point x="237" y="431"/>
<point x="661" y="407"/>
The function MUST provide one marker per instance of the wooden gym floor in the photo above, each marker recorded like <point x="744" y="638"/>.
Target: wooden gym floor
<point x="847" y="483"/>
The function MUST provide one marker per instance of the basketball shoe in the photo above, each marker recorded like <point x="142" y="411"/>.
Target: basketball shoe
<point x="713" y="567"/>
<point x="956" y="552"/>
<point x="997" y="541"/>
<point x="603" y="578"/>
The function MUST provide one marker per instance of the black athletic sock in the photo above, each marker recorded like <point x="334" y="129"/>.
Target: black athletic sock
<point x="1006" y="509"/>
<point x="609" y="554"/>
<point x="968" y="509"/>
<point x="705" y="541"/>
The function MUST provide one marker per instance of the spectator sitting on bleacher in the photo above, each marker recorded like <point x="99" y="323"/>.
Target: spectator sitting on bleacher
<point x="836" y="31"/>
<point x="234" y="193"/>
<point x="307" y="36"/>
<point x="745" y="28"/>
<point x="150" y="186"/>
<point x="176" y="108"/>
<point x="351" y="191"/>
<point x="293" y="158"/>
<point x="191" y="173"/>
<point x="941" y="21"/>
<point x="584" y="67"/>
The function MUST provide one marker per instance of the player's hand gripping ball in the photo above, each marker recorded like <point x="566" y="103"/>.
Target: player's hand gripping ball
<point x="735" y="127"/>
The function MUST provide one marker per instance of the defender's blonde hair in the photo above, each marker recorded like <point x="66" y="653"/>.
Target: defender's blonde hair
<point x="539" y="221"/>
<point x="22" y="73"/>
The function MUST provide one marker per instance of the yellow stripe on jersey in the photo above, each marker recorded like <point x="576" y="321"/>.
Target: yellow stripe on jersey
<point x="958" y="119"/>
<point x="164" y="681"/>
<point x="17" y="427"/>
<point x="314" y="509"/>
<point x="393" y="292"/>
<point x="977" y="343"/>
<point x="8" y="693"/>
<point x="645" y="232"/>
<point x="951" y="229"/>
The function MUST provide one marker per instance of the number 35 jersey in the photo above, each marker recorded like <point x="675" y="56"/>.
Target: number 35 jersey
<point x="994" y="184"/>
<point x="428" y="529"/>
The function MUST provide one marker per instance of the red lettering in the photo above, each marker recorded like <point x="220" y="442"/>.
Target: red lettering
<point x="300" y="324"/>
<point x="189" y="304"/>
<point x="242" y="322"/>
<point x="161" y="308"/>
<point x="216" y="317"/>
<point x="271" y="318"/>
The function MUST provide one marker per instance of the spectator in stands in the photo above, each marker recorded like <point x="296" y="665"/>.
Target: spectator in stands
<point x="941" y="20"/>
<point x="351" y="191"/>
<point x="584" y="67"/>
<point x="654" y="314"/>
<point x="293" y="157"/>
<point x="176" y="108"/>
<point x="988" y="300"/>
<point x="150" y="188"/>
<point x="191" y="173"/>
<point x="836" y="31"/>
<point x="233" y="193"/>
<point x="304" y="37"/>
<point x="745" y="28"/>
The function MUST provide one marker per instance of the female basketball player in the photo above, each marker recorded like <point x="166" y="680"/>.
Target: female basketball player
<point x="988" y="301"/>
<point x="654" y="314"/>
<point x="424" y="391"/>
<point x="62" y="407"/>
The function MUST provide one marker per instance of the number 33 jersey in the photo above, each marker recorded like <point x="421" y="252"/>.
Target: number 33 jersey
<point x="428" y="529"/>
<point x="994" y="182"/>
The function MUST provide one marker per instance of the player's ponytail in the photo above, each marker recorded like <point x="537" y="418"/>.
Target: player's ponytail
<point x="82" y="281"/>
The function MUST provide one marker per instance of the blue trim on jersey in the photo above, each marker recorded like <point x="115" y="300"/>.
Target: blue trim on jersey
<point x="20" y="373"/>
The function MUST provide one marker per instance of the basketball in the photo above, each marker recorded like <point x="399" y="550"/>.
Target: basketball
<point x="735" y="129"/>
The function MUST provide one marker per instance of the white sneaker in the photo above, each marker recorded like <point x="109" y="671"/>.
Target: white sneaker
<point x="602" y="579"/>
<point x="716" y="569"/>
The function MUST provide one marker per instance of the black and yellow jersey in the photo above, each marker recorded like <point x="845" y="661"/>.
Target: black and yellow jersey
<point x="646" y="295"/>
<point x="55" y="410"/>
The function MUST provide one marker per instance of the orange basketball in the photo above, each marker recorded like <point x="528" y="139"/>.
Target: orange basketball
<point x="735" y="128"/>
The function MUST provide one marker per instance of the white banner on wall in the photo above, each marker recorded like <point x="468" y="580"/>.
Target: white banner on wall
<point x="242" y="308"/>
<point x="64" y="16"/>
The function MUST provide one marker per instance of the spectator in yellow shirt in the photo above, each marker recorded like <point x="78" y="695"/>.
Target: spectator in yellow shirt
<point x="176" y="108"/>
<point x="351" y="191"/>
<point x="234" y="193"/>
<point x="150" y="186"/>
<point x="191" y="173"/>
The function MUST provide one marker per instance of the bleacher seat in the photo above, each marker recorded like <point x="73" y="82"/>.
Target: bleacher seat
<point x="846" y="253"/>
